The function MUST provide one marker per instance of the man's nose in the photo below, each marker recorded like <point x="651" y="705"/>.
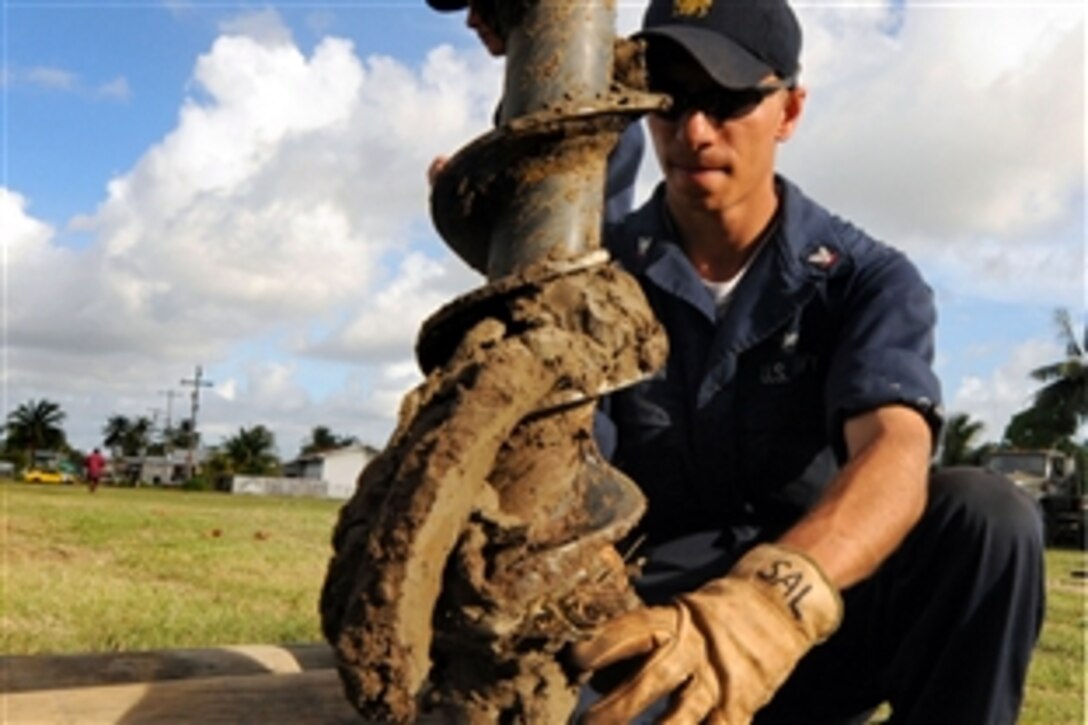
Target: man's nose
<point x="695" y="128"/>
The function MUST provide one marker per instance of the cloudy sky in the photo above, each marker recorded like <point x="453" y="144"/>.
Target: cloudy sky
<point x="241" y="185"/>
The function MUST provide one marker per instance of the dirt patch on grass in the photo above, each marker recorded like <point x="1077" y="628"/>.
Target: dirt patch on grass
<point x="16" y="553"/>
<point x="1073" y="582"/>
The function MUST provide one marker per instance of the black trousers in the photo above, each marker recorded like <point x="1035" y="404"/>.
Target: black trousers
<point x="944" y="631"/>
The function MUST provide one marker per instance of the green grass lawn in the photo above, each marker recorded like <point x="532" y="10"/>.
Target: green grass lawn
<point x="1056" y="680"/>
<point x="133" y="569"/>
<point x="128" y="569"/>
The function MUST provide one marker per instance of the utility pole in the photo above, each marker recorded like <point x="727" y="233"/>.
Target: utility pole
<point x="144" y="444"/>
<point x="154" y="422"/>
<point x="168" y="431"/>
<point x="197" y="382"/>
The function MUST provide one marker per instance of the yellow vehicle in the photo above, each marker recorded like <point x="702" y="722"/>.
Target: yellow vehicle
<point x="38" y="474"/>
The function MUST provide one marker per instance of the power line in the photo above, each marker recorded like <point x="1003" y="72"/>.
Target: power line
<point x="197" y="382"/>
<point x="170" y="395"/>
<point x="168" y="429"/>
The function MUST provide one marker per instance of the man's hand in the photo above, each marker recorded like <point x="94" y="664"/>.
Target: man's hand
<point x="722" y="651"/>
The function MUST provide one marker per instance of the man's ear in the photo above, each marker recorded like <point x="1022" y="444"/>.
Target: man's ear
<point x="792" y="109"/>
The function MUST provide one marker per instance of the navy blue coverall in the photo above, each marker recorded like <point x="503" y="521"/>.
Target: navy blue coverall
<point x="743" y="430"/>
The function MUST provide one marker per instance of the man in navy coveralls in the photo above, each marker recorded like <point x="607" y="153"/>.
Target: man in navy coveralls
<point x="802" y="563"/>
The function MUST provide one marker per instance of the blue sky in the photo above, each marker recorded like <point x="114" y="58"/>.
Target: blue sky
<point x="241" y="185"/>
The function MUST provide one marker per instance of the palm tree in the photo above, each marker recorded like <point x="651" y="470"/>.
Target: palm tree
<point x="323" y="439"/>
<point x="181" y="435"/>
<point x="115" y="432"/>
<point x="957" y="447"/>
<point x="127" y="436"/>
<point x="1065" y="383"/>
<point x="252" y="451"/>
<point x="35" y="426"/>
<point x="139" y="436"/>
<point x="1061" y="405"/>
<point x="1036" y="427"/>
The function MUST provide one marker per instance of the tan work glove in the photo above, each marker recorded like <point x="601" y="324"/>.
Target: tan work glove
<point x="721" y="651"/>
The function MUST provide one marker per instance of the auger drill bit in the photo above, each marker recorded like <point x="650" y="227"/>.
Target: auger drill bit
<point x="481" y="540"/>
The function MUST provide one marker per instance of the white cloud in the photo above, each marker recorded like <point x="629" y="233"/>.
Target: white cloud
<point x="116" y="89"/>
<point x="227" y="390"/>
<point x="290" y="196"/>
<point x="388" y="392"/>
<point x="264" y="26"/>
<point x="273" y="387"/>
<point x="62" y="80"/>
<point x="57" y="79"/>
<point x="1006" y="391"/>
<point x="277" y="197"/>
<point x="952" y="139"/>
<point x="36" y="272"/>
<point x="381" y="330"/>
<point x="21" y="235"/>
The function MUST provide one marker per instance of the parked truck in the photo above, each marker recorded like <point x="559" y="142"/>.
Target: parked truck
<point x="1050" y="477"/>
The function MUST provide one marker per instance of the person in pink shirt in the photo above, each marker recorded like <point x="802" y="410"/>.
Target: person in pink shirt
<point x="96" y="466"/>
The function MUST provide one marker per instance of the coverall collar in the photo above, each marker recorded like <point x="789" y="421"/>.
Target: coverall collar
<point x="801" y="252"/>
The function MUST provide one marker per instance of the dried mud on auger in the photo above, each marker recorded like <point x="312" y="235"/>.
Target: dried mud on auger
<point x="481" y="540"/>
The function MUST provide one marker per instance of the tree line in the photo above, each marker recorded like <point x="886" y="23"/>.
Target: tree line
<point x="36" y="427"/>
<point x="1058" y="408"/>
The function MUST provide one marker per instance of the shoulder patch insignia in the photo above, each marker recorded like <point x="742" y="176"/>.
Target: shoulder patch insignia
<point x="691" y="8"/>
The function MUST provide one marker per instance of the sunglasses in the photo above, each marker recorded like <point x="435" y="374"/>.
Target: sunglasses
<point x="719" y="104"/>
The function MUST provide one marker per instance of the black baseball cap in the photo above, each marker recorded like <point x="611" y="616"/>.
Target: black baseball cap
<point x="447" y="6"/>
<point x="737" y="42"/>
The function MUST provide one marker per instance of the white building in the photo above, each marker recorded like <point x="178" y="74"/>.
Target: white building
<point x="337" y="469"/>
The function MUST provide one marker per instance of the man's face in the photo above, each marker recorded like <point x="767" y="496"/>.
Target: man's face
<point x="715" y="159"/>
<point x="488" y="35"/>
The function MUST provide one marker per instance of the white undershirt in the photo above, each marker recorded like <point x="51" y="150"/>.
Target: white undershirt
<point x="721" y="292"/>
